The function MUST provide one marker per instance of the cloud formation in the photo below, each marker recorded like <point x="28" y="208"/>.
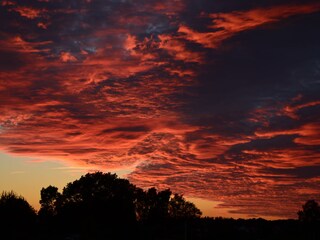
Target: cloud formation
<point x="219" y="102"/>
<point x="225" y="25"/>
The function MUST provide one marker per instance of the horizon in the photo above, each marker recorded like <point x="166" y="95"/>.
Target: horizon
<point x="67" y="174"/>
<point x="218" y="101"/>
<point x="32" y="193"/>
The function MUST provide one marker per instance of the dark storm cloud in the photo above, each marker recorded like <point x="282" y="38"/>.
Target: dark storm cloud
<point x="301" y="172"/>
<point x="127" y="129"/>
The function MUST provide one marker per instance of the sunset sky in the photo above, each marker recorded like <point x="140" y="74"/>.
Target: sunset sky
<point x="215" y="99"/>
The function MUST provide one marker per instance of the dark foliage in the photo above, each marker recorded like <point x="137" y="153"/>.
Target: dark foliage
<point x="49" y="198"/>
<point x="99" y="205"/>
<point x="179" y="208"/>
<point x="310" y="212"/>
<point x="103" y="206"/>
<point x="17" y="217"/>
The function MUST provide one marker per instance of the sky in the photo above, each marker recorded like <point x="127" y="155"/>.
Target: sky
<point x="217" y="100"/>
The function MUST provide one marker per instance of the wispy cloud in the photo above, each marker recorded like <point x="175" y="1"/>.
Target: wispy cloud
<point x="226" y="25"/>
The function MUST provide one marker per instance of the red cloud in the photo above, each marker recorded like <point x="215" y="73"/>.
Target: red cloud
<point x="225" y="25"/>
<point x="28" y="12"/>
<point x="67" y="57"/>
<point x="308" y="134"/>
<point x="291" y="111"/>
<point x="113" y="94"/>
<point x="18" y="44"/>
<point x="178" y="50"/>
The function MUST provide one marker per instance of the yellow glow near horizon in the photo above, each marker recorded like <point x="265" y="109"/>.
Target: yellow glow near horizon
<point x="212" y="209"/>
<point x="26" y="176"/>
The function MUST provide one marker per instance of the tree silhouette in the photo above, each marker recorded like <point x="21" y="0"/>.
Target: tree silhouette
<point x="48" y="201"/>
<point x="96" y="203"/>
<point x="179" y="208"/>
<point x="17" y="217"/>
<point x="100" y="204"/>
<point x="156" y="205"/>
<point x="310" y="212"/>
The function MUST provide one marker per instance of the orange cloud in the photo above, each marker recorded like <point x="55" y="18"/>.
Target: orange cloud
<point x="130" y="43"/>
<point x="308" y="134"/>
<point x="67" y="57"/>
<point x="291" y="110"/>
<point x="28" y="12"/>
<point x="178" y="50"/>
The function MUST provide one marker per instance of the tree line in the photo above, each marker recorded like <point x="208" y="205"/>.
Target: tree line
<point x="104" y="206"/>
<point x="98" y="205"/>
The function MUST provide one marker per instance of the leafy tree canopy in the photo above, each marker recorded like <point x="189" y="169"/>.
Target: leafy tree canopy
<point x="108" y="198"/>
<point x="180" y="208"/>
<point x="310" y="211"/>
<point x="16" y="213"/>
